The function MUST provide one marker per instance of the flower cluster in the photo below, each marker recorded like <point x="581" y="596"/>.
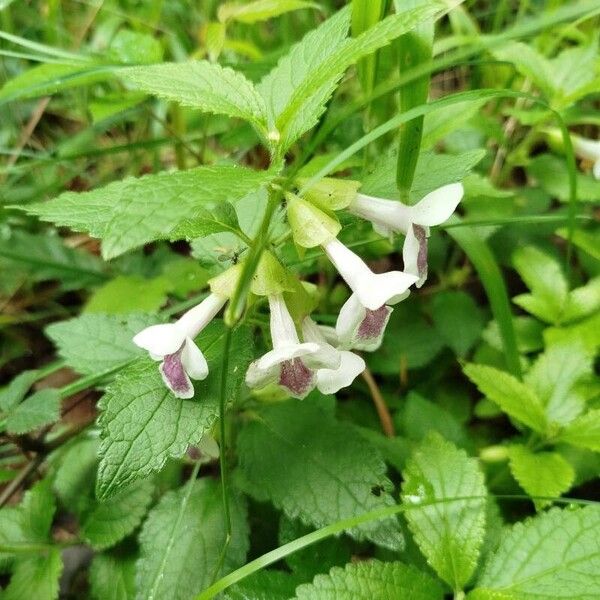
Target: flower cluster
<point x="305" y="355"/>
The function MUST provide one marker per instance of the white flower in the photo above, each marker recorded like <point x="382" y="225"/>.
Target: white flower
<point x="291" y="364"/>
<point x="588" y="149"/>
<point x="360" y="328"/>
<point x="330" y="381"/>
<point x="389" y="216"/>
<point x="373" y="290"/>
<point x="173" y="345"/>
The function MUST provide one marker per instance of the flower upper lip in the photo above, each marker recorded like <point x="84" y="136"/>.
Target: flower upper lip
<point x="372" y="289"/>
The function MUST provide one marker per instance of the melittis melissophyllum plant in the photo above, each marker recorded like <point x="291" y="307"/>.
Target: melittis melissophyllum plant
<point x="305" y="355"/>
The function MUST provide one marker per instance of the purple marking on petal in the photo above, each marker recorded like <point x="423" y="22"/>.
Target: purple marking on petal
<point x="373" y="323"/>
<point x="296" y="377"/>
<point x="172" y="369"/>
<point x="421" y="236"/>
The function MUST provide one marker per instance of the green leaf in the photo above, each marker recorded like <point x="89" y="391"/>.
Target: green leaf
<point x="433" y="171"/>
<point x="305" y="564"/>
<point x="202" y="85"/>
<point x="45" y="257"/>
<point x="458" y="319"/>
<point x="546" y="280"/>
<point x="50" y="78"/>
<point x="586" y="332"/>
<point x="307" y="100"/>
<point x="553" y="377"/>
<point x="552" y="175"/>
<point x="329" y="473"/>
<point x="515" y="398"/>
<point x="111" y="520"/>
<point x="267" y="584"/>
<point x="540" y="473"/>
<point x="420" y="416"/>
<point x="130" y="213"/>
<point x="95" y="342"/>
<point x="112" y="577"/>
<point x="35" y="577"/>
<point x="277" y="88"/>
<point x="14" y="392"/>
<point x="372" y="580"/>
<point x="41" y="408"/>
<point x="410" y="342"/>
<point x="132" y="47"/>
<point x="548" y="557"/>
<point x="129" y="293"/>
<point x="449" y="534"/>
<point x="76" y="474"/>
<point x="181" y="541"/>
<point x="485" y="263"/>
<point x="143" y="423"/>
<point x="222" y="218"/>
<point x="584" y="432"/>
<point x="260" y="10"/>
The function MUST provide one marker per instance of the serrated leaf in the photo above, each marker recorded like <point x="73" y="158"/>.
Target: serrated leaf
<point x="307" y="100"/>
<point x="450" y="533"/>
<point x="550" y="557"/>
<point x="143" y="423"/>
<point x="584" y="431"/>
<point x="110" y="521"/>
<point x="267" y="584"/>
<point x="328" y="473"/>
<point x="112" y="577"/>
<point x="458" y="319"/>
<point x="41" y="408"/>
<point x="181" y="541"/>
<point x="546" y="280"/>
<point x="130" y="213"/>
<point x="98" y="342"/>
<point x="35" y="577"/>
<point x="540" y="473"/>
<point x="222" y="218"/>
<point x="46" y="257"/>
<point x="203" y="85"/>
<point x="553" y="377"/>
<point x="304" y="57"/>
<point x="515" y="398"/>
<point x="372" y="580"/>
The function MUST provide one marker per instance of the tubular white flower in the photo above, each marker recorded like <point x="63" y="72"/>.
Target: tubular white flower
<point x="360" y="328"/>
<point x="173" y="344"/>
<point x="389" y="216"/>
<point x="331" y="380"/>
<point x="590" y="150"/>
<point x="291" y="364"/>
<point x="372" y="289"/>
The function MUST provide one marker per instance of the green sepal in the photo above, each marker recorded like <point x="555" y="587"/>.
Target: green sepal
<point x="331" y="194"/>
<point x="302" y="299"/>
<point x="270" y="278"/>
<point x="311" y="226"/>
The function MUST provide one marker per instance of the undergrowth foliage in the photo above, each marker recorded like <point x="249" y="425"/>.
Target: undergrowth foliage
<point x="302" y="300"/>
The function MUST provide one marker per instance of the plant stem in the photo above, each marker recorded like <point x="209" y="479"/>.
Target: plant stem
<point x="222" y="453"/>
<point x="387" y="424"/>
